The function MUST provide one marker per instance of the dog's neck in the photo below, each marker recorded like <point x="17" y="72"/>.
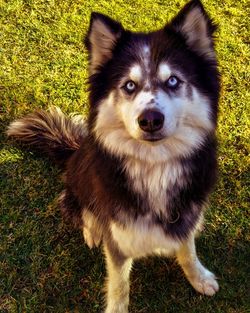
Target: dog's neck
<point x="153" y="181"/>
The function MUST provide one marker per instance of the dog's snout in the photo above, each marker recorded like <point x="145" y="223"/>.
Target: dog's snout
<point x="151" y="121"/>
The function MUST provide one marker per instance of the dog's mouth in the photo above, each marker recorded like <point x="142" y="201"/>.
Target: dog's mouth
<point x="153" y="138"/>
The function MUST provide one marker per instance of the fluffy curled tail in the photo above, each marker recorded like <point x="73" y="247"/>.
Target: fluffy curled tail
<point x="50" y="132"/>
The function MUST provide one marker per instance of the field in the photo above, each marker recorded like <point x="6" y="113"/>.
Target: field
<point x="44" y="264"/>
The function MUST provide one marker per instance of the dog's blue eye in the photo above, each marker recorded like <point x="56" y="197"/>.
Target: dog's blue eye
<point x="130" y="86"/>
<point x="173" y="82"/>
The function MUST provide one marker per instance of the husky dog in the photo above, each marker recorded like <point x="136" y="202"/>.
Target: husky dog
<point x="139" y="171"/>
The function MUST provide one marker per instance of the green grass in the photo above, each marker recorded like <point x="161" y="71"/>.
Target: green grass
<point x="44" y="264"/>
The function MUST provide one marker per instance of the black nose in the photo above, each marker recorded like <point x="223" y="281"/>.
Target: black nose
<point x="151" y="121"/>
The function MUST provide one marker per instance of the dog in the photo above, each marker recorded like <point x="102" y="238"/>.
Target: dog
<point x="139" y="170"/>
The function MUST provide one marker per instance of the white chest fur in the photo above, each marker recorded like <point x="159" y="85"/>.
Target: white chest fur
<point x="141" y="238"/>
<point x="152" y="181"/>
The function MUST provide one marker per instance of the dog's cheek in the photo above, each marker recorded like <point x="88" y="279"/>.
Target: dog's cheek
<point x="197" y="111"/>
<point x="107" y="119"/>
<point x="127" y="112"/>
<point x="172" y="110"/>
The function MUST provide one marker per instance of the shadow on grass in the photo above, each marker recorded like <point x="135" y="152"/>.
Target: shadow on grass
<point x="158" y="285"/>
<point x="46" y="267"/>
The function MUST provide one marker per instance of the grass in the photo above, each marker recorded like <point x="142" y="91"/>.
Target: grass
<point x="44" y="264"/>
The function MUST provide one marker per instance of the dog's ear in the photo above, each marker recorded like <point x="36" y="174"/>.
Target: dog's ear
<point x="195" y="26"/>
<point x="101" y="39"/>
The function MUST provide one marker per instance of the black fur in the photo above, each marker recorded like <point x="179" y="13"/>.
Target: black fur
<point x="203" y="165"/>
<point x="165" y="44"/>
<point x="113" y="194"/>
<point x="95" y="179"/>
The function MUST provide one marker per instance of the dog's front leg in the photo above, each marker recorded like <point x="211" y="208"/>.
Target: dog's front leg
<point x="199" y="277"/>
<point x="117" y="286"/>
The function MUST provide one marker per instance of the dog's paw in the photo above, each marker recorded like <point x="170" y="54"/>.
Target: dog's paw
<point x="91" y="238"/>
<point x="117" y="309"/>
<point x="204" y="282"/>
<point x="88" y="238"/>
<point x="115" y="305"/>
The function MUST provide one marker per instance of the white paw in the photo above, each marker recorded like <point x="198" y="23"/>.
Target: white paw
<point x="119" y="308"/>
<point x="91" y="237"/>
<point x="88" y="237"/>
<point x="204" y="282"/>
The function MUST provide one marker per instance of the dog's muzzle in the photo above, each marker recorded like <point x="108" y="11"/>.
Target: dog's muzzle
<point x="151" y="121"/>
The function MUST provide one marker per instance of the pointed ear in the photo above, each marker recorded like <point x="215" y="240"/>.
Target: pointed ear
<point x="101" y="39"/>
<point x="194" y="24"/>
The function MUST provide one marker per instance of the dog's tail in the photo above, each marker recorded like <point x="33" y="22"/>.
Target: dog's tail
<point x="52" y="133"/>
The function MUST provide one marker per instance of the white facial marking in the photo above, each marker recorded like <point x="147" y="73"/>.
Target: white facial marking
<point x="164" y="72"/>
<point x="130" y="113"/>
<point x="187" y="121"/>
<point x="146" y="58"/>
<point x="136" y="73"/>
<point x="146" y="51"/>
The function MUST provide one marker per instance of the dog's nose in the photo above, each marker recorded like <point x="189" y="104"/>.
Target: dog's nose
<point x="151" y="121"/>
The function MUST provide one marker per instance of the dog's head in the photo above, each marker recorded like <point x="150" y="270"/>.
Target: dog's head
<point x="153" y="96"/>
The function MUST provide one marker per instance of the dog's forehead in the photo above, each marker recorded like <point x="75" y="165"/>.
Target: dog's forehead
<point x="146" y="56"/>
<point x="145" y="67"/>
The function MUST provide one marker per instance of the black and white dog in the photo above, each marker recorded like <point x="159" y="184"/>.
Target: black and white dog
<point x="140" y="169"/>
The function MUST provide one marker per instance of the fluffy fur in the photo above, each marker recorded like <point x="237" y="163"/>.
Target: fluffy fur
<point x="139" y="172"/>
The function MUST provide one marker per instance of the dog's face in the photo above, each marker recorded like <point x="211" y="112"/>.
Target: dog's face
<point x="153" y="93"/>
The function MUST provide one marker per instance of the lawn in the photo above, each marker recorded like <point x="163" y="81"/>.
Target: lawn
<point x="44" y="264"/>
